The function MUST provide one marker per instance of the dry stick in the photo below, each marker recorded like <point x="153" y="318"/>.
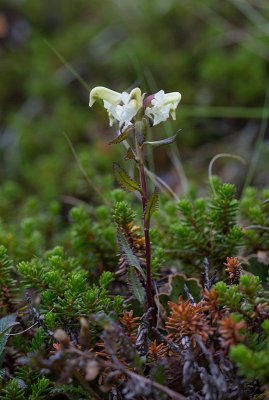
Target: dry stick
<point x="171" y="345"/>
<point x="116" y="364"/>
<point x="216" y="374"/>
<point x="146" y="381"/>
<point x="188" y="294"/>
<point x="205" y="275"/>
<point x="161" y="388"/>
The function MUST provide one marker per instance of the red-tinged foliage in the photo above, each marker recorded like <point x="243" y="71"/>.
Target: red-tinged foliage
<point x="234" y="269"/>
<point x="231" y="332"/>
<point x="187" y="319"/>
<point x="130" y="324"/>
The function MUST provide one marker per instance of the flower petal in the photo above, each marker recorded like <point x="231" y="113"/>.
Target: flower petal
<point x="103" y="93"/>
<point x="173" y="98"/>
<point x="136" y="95"/>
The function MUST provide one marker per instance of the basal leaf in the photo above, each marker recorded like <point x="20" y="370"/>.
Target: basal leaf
<point x="136" y="286"/>
<point x="127" y="252"/>
<point x="120" y="138"/>
<point x="124" y="179"/>
<point x="151" y="206"/>
<point x="163" y="142"/>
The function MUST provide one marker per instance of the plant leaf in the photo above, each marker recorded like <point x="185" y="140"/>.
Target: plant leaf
<point x="130" y="257"/>
<point x="120" y="138"/>
<point x="163" y="142"/>
<point x="152" y="205"/>
<point x="129" y="155"/>
<point x="136" y="286"/>
<point x="6" y="324"/>
<point x="173" y="288"/>
<point x="124" y="180"/>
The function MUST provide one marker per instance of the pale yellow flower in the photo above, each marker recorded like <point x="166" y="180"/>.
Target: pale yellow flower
<point x="121" y="107"/>
<point x="162" y="106"/>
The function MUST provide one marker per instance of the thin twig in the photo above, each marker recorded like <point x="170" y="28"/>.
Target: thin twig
<point x="162" y="388"/>
<point x="218" y="377"/>
<point x="171" y="345"/>
<point x="21" y="332"/>
<point x="205" y="275"/>
<point x="188" y="294"/>
<point x="146" y="381"/>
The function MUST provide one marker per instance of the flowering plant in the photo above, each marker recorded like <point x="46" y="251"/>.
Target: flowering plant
<point x="135" y="112"/>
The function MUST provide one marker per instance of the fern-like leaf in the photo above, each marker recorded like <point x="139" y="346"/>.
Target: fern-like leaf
<point x="136" y="286"/>
<point x="128" y="253"/>
<point x="152" y="205"/>
<point x="124" y="180"/>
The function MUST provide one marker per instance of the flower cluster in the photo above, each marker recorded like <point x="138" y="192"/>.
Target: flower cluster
<point x="124" y="107"/>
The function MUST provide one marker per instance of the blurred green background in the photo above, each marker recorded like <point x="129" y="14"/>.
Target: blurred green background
<point x="52" y="53"/>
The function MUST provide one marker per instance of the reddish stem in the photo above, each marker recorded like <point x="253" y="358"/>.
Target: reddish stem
<point x="148" y="288"/>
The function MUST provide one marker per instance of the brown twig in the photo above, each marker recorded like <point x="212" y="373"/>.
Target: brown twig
<point x="146" y="381"/>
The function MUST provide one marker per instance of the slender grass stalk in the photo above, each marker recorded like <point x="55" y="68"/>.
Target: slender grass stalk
<point x="258" y="144"/>
<point x="84" y="172"/>
<point x="67" y="65"/>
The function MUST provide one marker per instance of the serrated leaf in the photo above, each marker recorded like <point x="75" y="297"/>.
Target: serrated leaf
<point x="6" y="324"/>
<point x="130" y="154"/>
<point x="163" y="142"/>
<point x="136" y="286"/>
<point x="120" y="138"/>
<point x="151" y="206"/>
<point x="130" y="257"/>
<point x="70" y="392"/>
<point x="124" y="179"/>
